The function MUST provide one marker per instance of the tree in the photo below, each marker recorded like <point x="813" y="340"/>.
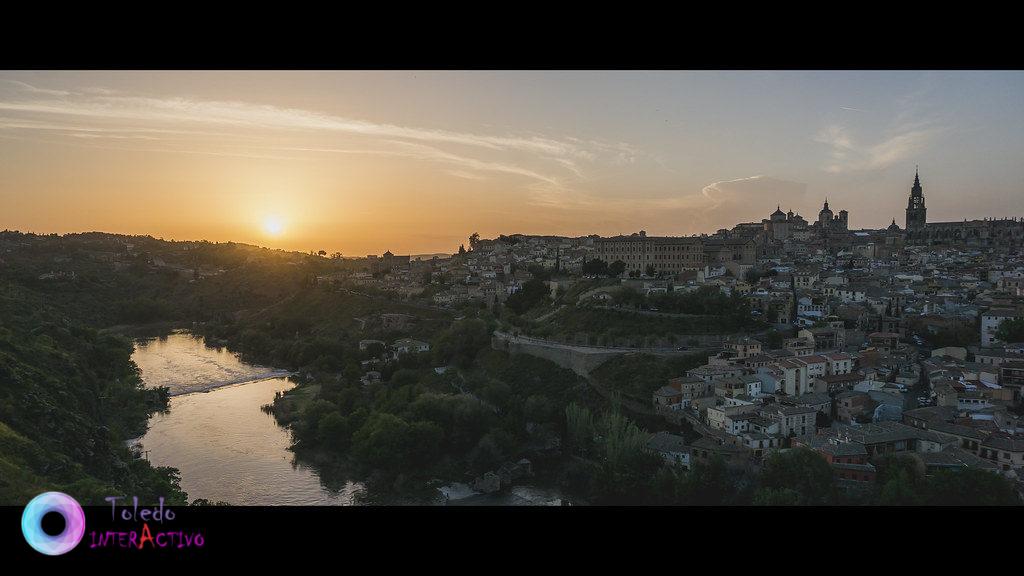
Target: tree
<point x="615" y="269"/>
<point x="474" y="240"/>
<point x="462" y="249"/>
<point x="374" y="350"/>
<point x="333" y="431"/>
<point x="494" y="447"/>
<point x="801" y="470"/>
<point x="532" y="294"/>
<point x="579" y="424"/>
<point x="540" y="408"/>
<point x="596" y="267"/>
<point x="970" y="487"/>
<point x="776" y="497"/>
<point x="773" y="340"/>
<point x="388" y="442"/>
<point x="707" y="484"/>
<point x="461" y="342"/>
<point x="649" y="270"/>
<point x="141" y="310"/>
<point x="1011" y="330"/>
<point x="321" y="253"/>
<point x="900" y="480"/>
<point x="822" y="420"/>
<point x="539" y="272"/>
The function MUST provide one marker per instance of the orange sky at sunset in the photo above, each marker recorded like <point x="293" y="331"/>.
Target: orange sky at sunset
<point x="414" y="162"/>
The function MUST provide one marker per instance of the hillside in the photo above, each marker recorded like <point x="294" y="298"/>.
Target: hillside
<point x="69" y="397"/>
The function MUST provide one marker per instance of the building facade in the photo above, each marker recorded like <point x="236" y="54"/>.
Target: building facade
<point x="1004" y="233"/>
<point x="670" y="254"/>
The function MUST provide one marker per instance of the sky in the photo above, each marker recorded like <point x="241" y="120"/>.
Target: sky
<point x="416" y="161"/>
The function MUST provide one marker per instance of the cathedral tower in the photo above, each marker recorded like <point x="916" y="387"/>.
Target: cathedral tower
<point x="915" y="207"/>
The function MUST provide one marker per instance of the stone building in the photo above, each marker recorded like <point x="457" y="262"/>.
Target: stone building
<point x="781" y="225"/>
<point x="828" y="222"/>
<point x="1004" y="234"/>
<point x="671" y="254"/>
<point x="387" y="262"/>
<point x="730" y="250"/>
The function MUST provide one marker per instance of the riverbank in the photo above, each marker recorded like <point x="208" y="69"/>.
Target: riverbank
<point x="151" y="330"/>
<point x="225" y="446"/>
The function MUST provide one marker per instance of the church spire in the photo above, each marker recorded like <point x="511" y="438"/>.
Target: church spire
<point x="916" y="213"/>
<point x="916" y="190"/>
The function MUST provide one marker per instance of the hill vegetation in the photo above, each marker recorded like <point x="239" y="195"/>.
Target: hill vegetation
<point x="69" y="397"/>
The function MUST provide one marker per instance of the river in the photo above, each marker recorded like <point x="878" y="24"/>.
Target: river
<point x="226" y="448"/>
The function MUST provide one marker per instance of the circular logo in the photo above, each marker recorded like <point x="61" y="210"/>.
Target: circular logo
<point x="32" y="523"/>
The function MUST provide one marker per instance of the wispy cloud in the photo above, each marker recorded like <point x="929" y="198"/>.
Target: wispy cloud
<point x="847" y="154"/>
<point x="715" y="191"/>
<point x="98" y="113"/>
<point x="853" y="147"/>
<point x="26" y="87"/>
<point x="423" y="152"/>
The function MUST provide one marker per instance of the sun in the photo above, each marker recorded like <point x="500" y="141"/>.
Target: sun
<point x="273" y="225"/>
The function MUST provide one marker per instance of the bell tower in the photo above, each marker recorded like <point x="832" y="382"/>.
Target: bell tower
<point x="915" y="206"/>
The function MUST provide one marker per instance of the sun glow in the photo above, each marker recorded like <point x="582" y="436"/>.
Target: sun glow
<point x="273" y="225"/>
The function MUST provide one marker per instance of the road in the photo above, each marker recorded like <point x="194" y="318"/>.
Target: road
<point x="589" y="349"/>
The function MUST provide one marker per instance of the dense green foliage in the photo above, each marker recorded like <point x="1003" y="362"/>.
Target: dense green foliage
<point x="802" y="477"/>
<point x="772" y="340"/>
<point x="710" y="484"/>
<point x="533" y="293"/>
<point x="633" y="322"/>
<point x="595" y="267"/>
<point x="69" y="397"/>
<point x="902" y="481"/>
<point x="1011" y="330"/>
<point x="639" y="375"/>
<point x="796" y="477"/>
<point x="419" y="424"/>
<point x="611" y="462"/>
<point x="706" y="300"/>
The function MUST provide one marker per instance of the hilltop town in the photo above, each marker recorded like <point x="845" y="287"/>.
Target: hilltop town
<point x="861" y="342"/>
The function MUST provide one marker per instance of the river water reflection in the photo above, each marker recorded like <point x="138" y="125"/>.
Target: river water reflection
<point x="226" y="448"/>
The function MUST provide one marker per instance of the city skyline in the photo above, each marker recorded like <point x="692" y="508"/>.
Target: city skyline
<point x="413" y="162"/>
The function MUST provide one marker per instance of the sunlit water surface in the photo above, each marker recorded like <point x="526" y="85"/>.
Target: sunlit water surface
<point x="226" y="448"/>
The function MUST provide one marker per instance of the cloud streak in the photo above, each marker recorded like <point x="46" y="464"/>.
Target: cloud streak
<point x="97" y="113"/>
<point x="848" y="154"/>
<point x="911" y="130"/>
